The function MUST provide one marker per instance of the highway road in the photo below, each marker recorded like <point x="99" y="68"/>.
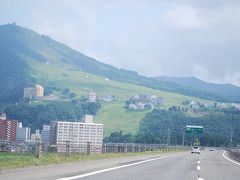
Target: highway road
<point x="209" y="165"/>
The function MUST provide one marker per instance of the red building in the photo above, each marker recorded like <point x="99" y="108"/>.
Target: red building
<point x="8" y="130"/>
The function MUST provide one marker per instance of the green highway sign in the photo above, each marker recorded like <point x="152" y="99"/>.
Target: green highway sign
<point x="194" y="129"/>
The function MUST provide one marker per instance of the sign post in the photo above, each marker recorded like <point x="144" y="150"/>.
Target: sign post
<point x="195" y="130"/>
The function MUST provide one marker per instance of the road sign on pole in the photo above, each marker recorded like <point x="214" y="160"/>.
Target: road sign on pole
<point x="194" y="129"/>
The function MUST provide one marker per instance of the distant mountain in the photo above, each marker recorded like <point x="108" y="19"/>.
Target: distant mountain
<point x="23" y="51"/>
<point x="228" y="91"/>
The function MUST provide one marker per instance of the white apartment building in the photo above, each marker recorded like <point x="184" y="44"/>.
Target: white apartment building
<point x="76" y="135"/>
<point x="22" y="133"/>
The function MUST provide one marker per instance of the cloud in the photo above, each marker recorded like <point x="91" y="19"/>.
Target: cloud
<point x="183" y="17"/>
<point x="153" y="37"/>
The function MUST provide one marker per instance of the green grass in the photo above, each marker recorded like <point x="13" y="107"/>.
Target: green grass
<point x="112" y="115"/>
<point x="20" y="160"/>
<point x="115" y="118"/>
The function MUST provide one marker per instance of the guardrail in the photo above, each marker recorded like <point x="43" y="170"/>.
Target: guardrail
<point x="234" y="154"/>
<point x="135" y="147"/>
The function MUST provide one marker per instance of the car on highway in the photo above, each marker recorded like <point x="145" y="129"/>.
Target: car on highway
<point x="195" y="149"/>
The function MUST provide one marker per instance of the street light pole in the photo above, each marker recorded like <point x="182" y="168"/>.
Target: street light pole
<point x="183" y="140"/>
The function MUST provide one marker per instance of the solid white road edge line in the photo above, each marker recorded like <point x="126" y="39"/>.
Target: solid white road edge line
<point x="114" y="168"/>
<point x="230" y="159"/>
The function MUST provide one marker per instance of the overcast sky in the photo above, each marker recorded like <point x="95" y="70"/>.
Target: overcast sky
<point x="153" y="37"/>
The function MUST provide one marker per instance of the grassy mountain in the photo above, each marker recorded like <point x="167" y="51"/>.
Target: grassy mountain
<point x="228" y="91"/>
<point x="27" y="58"/>
<point x="28" y="46"/>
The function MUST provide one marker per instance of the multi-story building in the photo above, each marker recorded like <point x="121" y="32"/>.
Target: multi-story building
<point x="36" y="136"/>
<point x="45" y="134"/>
<point x="8" y="129"/>
<point x="92" y="96"/>
<point x="3" y="116"/>
<point x="88" y="119"/>
<point x="30" y="92"/>
<point x="39" y="91"/>
<point x="76" y="136"/>
<point x="45" y="137"/>
<point x="23" y="133"/>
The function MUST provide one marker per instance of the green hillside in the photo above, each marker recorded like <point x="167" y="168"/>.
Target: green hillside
<point x="27" y="45"/>
<point x="27" y="58"/>
<point x="113" y="115"/>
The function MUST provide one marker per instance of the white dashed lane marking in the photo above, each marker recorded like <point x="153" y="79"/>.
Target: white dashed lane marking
<point x="198" y="168"/>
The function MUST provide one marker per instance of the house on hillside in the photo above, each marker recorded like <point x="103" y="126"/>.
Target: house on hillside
<point x="144" y="101"/>
<point x="92" y="96"/>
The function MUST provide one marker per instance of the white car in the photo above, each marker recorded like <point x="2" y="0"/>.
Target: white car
<point x="195" y="149"/>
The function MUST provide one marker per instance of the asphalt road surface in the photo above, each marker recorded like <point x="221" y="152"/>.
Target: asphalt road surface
<point x="209" y="165"/>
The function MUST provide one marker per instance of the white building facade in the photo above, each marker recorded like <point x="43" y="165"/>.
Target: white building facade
<point x="76" y="136"/>
<point x="22" y="133"/>
<point x="45" y="134"/>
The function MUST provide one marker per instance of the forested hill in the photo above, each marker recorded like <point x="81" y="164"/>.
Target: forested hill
<point x="228" y="91"/>
<point x="21" y="48"/>
<point x="220" y="128"/>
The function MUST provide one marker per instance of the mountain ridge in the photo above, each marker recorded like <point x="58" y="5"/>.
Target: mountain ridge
<point x="228" y="90"/>
<point x="29" y="46"/>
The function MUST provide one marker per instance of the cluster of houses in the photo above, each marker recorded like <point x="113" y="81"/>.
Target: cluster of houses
<point x="144" y="101"/>
<point x="195" y="105"/>
<point x="93" y="97"/>
<point x="190" y="104"/>
<point x="236" y="105"/>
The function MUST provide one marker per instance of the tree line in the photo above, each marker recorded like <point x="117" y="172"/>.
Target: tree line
<point x="160" y="126"/>
<point x="35" y="115"/>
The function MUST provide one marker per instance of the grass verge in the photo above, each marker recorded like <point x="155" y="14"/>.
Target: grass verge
<point x="20" y="160"/>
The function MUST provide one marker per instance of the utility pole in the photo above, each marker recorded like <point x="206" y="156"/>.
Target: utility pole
<point x="30" y="99"/>
<point x="67" y="148"/>
<point x="37" y="148"/>
<point x="168" y="136"/>
<point x="88" y="148"/>
<point x="183" y="140"/>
